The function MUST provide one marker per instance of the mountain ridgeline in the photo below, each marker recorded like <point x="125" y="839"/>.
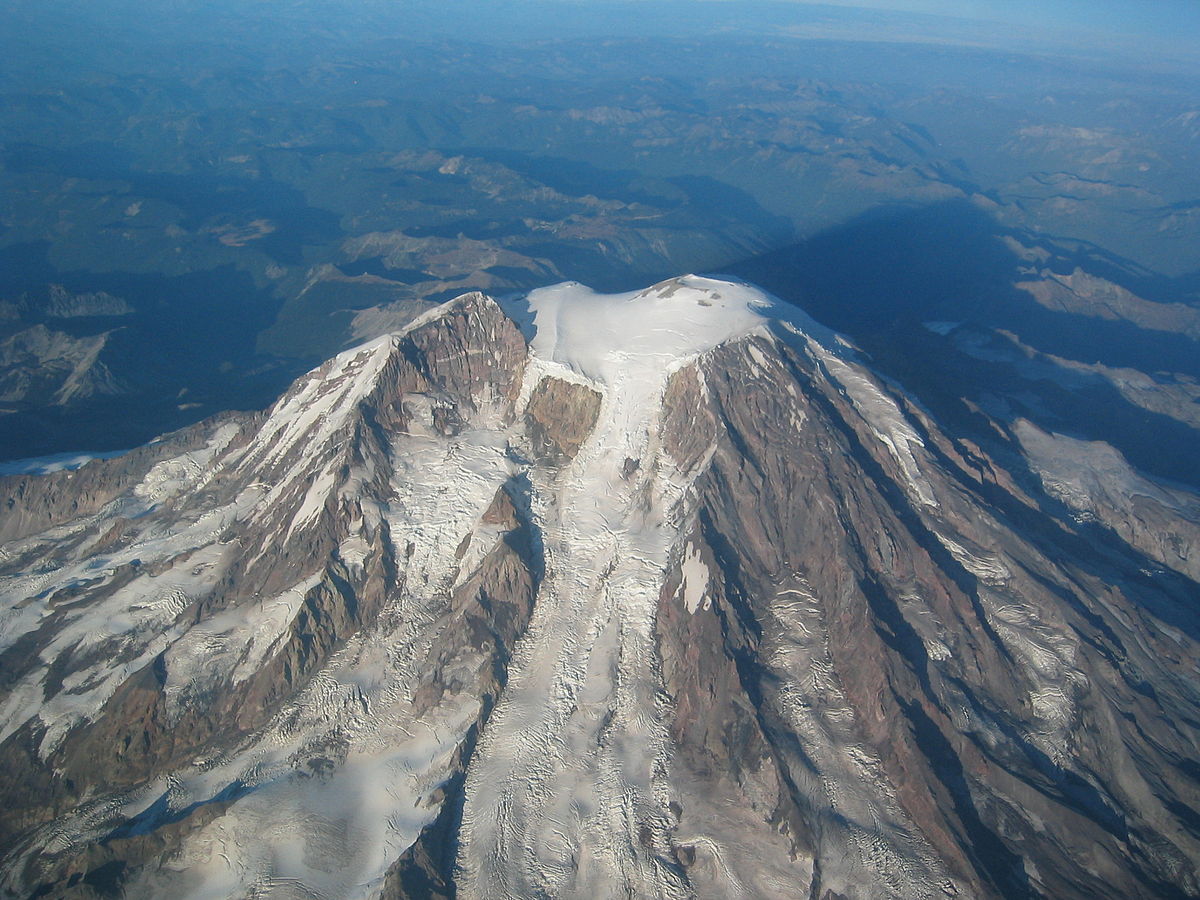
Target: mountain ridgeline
<point x="660" y="594"/>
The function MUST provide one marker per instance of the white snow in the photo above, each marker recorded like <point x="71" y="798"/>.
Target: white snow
<point x="236" y="641"/>
<point x="695" y="580"/>
<point x="574" y="758"/>
<point x="631" y="339"/>
<point x="173" y="476"/>
<point x="315" y="409"/>
<point x="1086" y="474"/>
<point x="58" y="462"/>
<point x="987" y="567"/>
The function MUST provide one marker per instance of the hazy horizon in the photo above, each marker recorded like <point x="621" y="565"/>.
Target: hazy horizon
<point x="1170" y="27"/>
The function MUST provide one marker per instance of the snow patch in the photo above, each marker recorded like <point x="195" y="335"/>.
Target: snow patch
<point x="695" y="580"/>
<point x="234" y="643"/>
<point x="173" y="476"/>
<point x="58" y="462"/>
<point x="315" y="411"/>
<point x="987" y="567"/>
<point x="884" y="417"/>
<point x="942" y="328"/>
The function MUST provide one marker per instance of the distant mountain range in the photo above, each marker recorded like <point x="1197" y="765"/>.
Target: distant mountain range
<point x="260" y="197"/>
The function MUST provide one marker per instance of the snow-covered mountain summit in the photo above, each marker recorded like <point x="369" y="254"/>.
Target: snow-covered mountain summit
<point x="652" y="594"/>
<point x="618" y="337"/>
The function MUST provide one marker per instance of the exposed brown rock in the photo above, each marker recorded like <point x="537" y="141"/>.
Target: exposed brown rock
<point x="560" y="416"/>
<point x="688" y="427"/>
<point x="827" y="514"/>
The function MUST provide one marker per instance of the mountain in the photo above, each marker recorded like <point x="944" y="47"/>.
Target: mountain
<point x="659" y="594"/>
<point x="202" y="204"/>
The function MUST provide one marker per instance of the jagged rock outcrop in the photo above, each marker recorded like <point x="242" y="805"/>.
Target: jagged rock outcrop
<point x="1081" y="293"/>
<point x="560" y="415"/>
<point x="52" y="367"/>
<point x="670" y="596"/>
<point x="46" y="362"/>
<point x="61" y="303"/>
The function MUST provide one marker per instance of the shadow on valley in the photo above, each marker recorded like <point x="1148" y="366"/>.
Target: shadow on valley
<point x="185" y="350"/>
<point x="895" y="278"/>
<point x="203" y="199"/>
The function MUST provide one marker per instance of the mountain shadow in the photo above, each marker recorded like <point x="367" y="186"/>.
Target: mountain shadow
<point x="901" y="280"/>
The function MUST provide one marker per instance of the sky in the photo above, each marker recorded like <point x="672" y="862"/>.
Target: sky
<point x="1144" y="27"/>
<point x="1142" y="32"/>
<point x="1160" y="17"/>
<point x="1137" y="30"/>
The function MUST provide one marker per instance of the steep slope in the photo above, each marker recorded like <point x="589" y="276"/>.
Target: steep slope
<point x="951" y="691"/>
<point x="265" y="608"/>
<point x="669" y="597"/>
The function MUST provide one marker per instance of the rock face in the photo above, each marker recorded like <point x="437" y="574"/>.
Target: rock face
<point x="560" y="416"/>
<point x="42" y="364"/>
<point x="669" y="597"/>
<point x="53" y="367"/>
<point x="63" y="304"/>
<point x="1082" y="294"/>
